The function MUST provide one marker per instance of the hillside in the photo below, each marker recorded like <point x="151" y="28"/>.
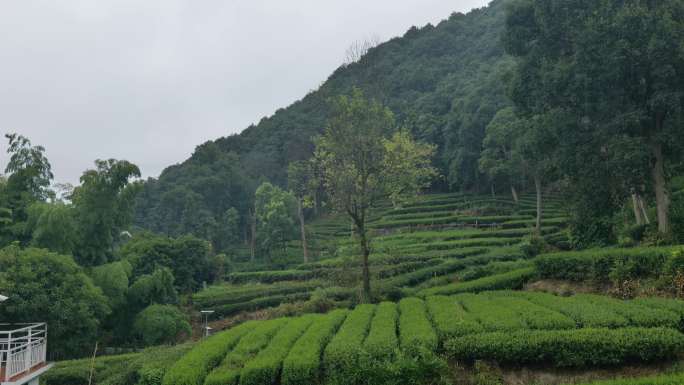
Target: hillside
<point x="443" y="82"/>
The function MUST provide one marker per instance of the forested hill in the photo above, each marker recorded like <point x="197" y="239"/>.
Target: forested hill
<point x="443" y="82"/>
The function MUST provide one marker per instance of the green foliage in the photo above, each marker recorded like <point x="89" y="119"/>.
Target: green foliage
<point x="667" y="379"/>
<point x="598" y="263"/>
<point x="104" y="207"/>
<point x="112" y="279"/>
<point x="381" y="342"/>
<point x="52" y="226"/>
<point x="187" y="257"/>
<point x="152" y="288"/>
<point x="194" y="367"/>
<point x="275" y="212"/>
<point x="450" y="319"/>
<point x="342" y="355"/>
<point x="302" y="366"/>
<point x="228" y="373"/>
<point x="265" y="367"/>
<point x="270" y="276"/>
<point x="574" y="348"/>
<point x="160" y="324"/>
<point x="415" y="330"/>
<point x="514" y="279"/>
<point x="53" y="286"/>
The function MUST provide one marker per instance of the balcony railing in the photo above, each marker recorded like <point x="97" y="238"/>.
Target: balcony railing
<point x="22" y="349"/>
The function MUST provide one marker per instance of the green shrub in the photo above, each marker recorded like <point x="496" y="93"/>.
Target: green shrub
<point x="450" y="319"/>
<point x="341" y="356"/>
<point x="228" y="373"/>
<point x="534" y="316"/>
<point x="382" y="341"/>
<point x="585" y="313"/>
<point x="415" y="330"/>
<point x="193" y="368"/>
<point x="265" y="367"/>
<point x="270" y="276"/>
<point x="160" y="324"/>
<point x="597" y="264"/>
<point x="668" y="379"/>
<point x="510" y="280"/>
<point x="673" y="305"/>
<point x="490" y="316"/>
<point x="638" y="315"/>
<point x="302" y="366"/>
<point x="576" y="348"/>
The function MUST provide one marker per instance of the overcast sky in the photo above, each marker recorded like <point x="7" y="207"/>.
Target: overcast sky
<point x="147" y="81"/>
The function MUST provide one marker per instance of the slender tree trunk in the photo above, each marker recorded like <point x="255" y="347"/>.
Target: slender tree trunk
<point x="538" y="188"/>
<point x="252" y="243"/>
<point x="515" y="193"/>
<point x="302" y="228"/>
<point x="637" y="209"/>
<point x="365" y="251"/>
<point x="660" y="188"/>
<point x="315" y="202"/>
<point x="493" y="191"/>
<point x="642" y="206"/>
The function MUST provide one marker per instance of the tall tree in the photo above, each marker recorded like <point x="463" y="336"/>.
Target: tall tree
<point x="104" y="207"/>
<point x="274" y="209"/>
<point x="498" y="158"/>
<point x="29" y="176"/>
<point x="361" y="166"/>
<point x="302" y="182"/>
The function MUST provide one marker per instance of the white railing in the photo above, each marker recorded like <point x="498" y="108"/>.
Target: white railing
<point x="22" y="348"/>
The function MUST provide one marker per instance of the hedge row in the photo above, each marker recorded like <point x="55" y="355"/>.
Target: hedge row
<point x="669" y="379"/>
<point x="585" y="313"/>
<point x="302" y="366"/>
<point x="576" y="348"/>
<point x="231" y="294"/>
<point x="596" y="264"/>
<point x="270" y="276"/>
<point x="341" y="356"/>
<point x="637" y="314"/>
<point x="228" y="373"/>
<point x="193" y="367"/>
<point x="450" y="319"/>
<point x="514" y="279"/>
<point x="535" y="316"/>
<point x="415" y="329"/>
<point x="260" y="303"/>
<point x="382" y="341"/>
<point x="265" y="367"/>
<point x="490" y="316"/>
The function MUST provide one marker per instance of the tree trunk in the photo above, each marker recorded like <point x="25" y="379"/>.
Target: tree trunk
<point x="660" y="188"/>
<point x="252" y="244"/>
<point x="493" y="191"/>
<point x="538" y="188"/>
<point x="642" y="206"/>
<point x="637" y="209"/>
<point x="365" y="251"/>
<point x="305" y="248"/>
<point x="515" y="193"/>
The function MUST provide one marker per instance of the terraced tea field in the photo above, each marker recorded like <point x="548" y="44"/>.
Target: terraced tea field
<point x="435" y="241"/>
<point x="412" y="339"/>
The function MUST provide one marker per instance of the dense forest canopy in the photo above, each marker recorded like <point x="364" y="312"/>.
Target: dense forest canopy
<point x="444" y="83"/>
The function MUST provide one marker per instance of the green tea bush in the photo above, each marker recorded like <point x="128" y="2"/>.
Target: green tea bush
<point x="668" y="379"/>
<point x="510" y="280"/>
<point x="228" y="373"/>
<point x="570" y="348"/>
<point x="638" y="315"/>
<point x="415" y="330"/>
<point x="674" y="305"/>
<point x="270" y="276"/>
<point x="585" y="313"/>
<point x="382" y="341"/>
<point x="534" y="316"/>
<point x="450" y="319"/>
<point x="265" y="367"/>
<point x="490" y="316"/>
<point x="260" y="303"/>
<point x="596" y="264"/>
<point x="194" y="367"/>
<point x="302" y="366"/>
<point x="341" y="356"/>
